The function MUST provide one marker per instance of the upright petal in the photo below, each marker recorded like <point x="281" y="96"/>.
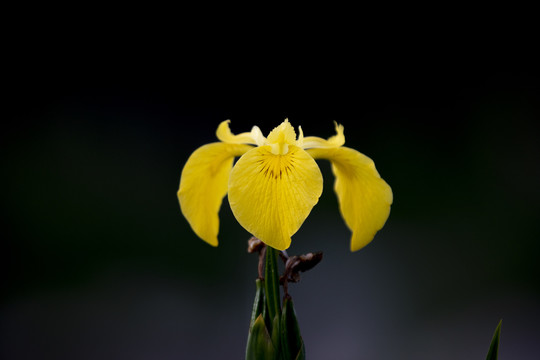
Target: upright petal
<point x="332" y="142"/>
<point x="254" y="137"/>
<point x="271" y="195"/>
<point x="364" y="198"/>
<point x="203" y="184"/>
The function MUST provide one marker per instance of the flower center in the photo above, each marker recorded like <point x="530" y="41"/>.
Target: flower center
<point x="281" y="137"/>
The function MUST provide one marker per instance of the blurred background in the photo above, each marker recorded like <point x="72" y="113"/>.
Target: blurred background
<point x="98" y="262"/>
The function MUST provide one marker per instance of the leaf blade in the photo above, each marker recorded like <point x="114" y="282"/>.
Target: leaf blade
<point x="494" y="346"/>
<point x="259" y="346"/>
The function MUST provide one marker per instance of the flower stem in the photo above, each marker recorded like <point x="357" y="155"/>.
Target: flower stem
<point x="271" y="275"/>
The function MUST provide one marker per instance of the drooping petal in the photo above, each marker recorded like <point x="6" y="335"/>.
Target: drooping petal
<point x="271" y="195"/>
<point x="254" y="137"/>
<point x="203" y="184"/>
<point x="364" y="198"/>
<point x="332" y="142"/>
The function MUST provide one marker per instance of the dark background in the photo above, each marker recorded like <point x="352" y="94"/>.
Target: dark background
<point x="98" y="262"/>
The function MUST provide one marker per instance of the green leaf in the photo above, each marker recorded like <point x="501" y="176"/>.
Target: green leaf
<point x="301" y="353"/>
<point x="276" y="336"/>
<point x="259" y="303"/>
<point x="271" y="281"/>
<point x="259" y="346"/>
<point x="494" y="347"/>
<point x="292" y="345"/>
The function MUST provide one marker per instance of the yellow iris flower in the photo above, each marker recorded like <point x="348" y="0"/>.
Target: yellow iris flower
<point x="274" y="185"/>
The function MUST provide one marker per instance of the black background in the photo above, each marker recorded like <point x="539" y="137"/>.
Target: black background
<point x="98" y="261"/>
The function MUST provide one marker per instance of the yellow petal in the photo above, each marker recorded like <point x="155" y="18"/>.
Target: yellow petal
<point x="254" y="137"/>
<point x="203" y="184"/>
<point x="271" y="195"/>
<point x="317" y="142"/>
<point x="364" y="198"/>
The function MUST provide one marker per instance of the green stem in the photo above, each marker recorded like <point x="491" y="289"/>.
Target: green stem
<point x="271" y="275"/>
